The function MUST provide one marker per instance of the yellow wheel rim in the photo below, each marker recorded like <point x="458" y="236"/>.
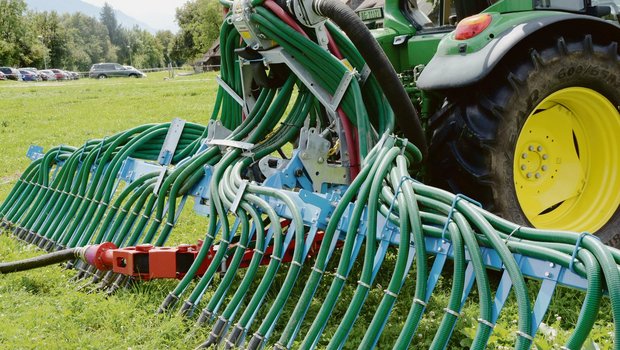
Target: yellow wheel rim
<point x="567" y="161"/>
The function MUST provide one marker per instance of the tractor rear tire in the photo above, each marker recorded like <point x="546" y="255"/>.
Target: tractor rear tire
<point x="538" y="141"/>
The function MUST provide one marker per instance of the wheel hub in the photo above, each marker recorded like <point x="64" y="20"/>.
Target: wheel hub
<point x="566" y="161"/>
<point x="534" y="162"/>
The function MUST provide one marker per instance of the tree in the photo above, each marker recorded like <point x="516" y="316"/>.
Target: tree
<point x="75" y="41"/>
<point x="108" y="18"/>
<point x="13" y="32"/>
<point x="165" y="38"/>
<point x="54" y="37"/>
<point x="89" y="41"/>
<point x="200" y="22"/>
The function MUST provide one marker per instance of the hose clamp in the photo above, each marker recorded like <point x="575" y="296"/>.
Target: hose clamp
<point x="390" y="293"/>
<point x="452" y="312"/>
<point x="576" y="250"/>
<point x="363" y="284"/>
<point x="524" y="335"/>
<point x="486" y="323"/>
<point x="420" y="302"/>
<point x="319" y="271"/>
<point x="457" y="198"/>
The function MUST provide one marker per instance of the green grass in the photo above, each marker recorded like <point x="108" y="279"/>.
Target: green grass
<point x="44" y="309"/>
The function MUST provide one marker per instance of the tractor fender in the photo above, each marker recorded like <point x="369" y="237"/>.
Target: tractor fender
<point x="449" y="71"/>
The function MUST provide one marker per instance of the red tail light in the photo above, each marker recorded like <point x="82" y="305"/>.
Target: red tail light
<point x="472" y="26"/>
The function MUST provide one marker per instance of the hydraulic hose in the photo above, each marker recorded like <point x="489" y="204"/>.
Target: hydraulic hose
<point x="406" y="115"/>
<point x="40" y="261"/>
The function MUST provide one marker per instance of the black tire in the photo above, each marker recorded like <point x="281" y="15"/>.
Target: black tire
<point x="133" y="76"/>
<point x="476" y="132"/>
<point x="102" y="76"/>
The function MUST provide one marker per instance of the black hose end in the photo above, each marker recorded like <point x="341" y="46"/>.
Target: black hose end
<point x="235" y="336"/>
<point x="44" y="243"/>
<point x="204" y="345"/>
<point x="256" y="342"/>
<point x="50" y="246"/>
<point x="36" y="240"/>
<point x="279" y="346"/>
<point x="216" y="333"/>
<point x="97" y="277"/>
<point x="106" y="281"/>
<point x="170" y="300"/>
<point x="3" y="224"/>
<point x="204" y="317"/>
<point x="187" y="309"/>
<point x="70" y="265"/>
<point x="31" y="236"/>
<point x="19" y="233"/>
<point x="121" y="281"/>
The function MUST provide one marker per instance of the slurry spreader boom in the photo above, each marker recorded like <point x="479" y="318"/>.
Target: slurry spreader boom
<point x="306" y="73"/>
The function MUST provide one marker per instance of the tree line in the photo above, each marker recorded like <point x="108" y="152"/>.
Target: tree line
<point x="76" y="41"/>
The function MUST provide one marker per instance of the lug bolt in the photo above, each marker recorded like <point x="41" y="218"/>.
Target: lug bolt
<point x="531" y="148"/>
<point x="544" y="168"/>
<point x="320" y="160"/>
<point x="545" y="156"/>
<point x="539" y="149"/>
<point x="529" y="175"/>
<point x="524" y="155"/>
<point x="523" y="167"/>
<point x="538" y="175"/>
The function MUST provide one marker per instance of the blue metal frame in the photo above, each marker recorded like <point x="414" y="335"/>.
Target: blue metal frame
<point x="317" y="208"/>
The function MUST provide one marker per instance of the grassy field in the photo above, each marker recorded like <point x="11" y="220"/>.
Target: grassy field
<point x="43" y="309"/>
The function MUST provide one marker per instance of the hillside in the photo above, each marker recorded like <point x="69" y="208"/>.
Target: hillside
<point x="71" y="6"/>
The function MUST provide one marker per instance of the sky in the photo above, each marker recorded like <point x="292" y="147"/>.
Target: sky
<point x="159" y="14"/>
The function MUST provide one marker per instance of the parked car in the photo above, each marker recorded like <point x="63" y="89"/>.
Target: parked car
<point x="28" y="75"/>
<point x="48" y="75"/>
<point x="2" y="76"/>
<point x="33" y="70"/>
<point x="60" y="74"/>
<point x="75" y="75"/>
<point x="109" y="70"/>
<point x="11" y="73"/>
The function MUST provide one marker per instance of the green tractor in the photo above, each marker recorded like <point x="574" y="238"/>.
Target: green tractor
<point x="520" y="102"/>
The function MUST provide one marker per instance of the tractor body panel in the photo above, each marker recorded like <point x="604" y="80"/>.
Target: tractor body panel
<point x="463" y="62"/>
